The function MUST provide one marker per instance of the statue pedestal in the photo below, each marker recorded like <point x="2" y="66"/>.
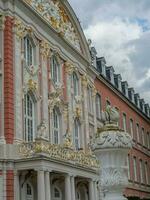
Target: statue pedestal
<point x="111" y="147"/>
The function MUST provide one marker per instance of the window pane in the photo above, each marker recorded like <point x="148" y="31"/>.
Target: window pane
<point x="28" y="118"/>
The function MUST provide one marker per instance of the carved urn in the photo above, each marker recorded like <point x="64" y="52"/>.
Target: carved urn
<point x="111" y="147"/>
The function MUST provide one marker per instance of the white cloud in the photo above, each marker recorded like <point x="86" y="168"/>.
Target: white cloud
<point x="120" y="31"/>
<point x="110" y="39"/>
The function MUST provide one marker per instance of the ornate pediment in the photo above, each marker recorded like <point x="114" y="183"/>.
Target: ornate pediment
<point x="53" y="12"/>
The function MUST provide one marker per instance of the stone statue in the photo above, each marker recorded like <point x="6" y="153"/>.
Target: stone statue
<point x="110" y="116"/>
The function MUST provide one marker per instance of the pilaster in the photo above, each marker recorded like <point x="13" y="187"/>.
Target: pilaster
<point x="18" y="71"/>
<point x="8" y="81"/>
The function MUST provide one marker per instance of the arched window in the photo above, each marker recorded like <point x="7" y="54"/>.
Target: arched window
<point x="75" y="84"/>
<point x="57" y="195"/>
<point x="56" y="126"/>
<point x="55" y="70"/>
<point x="98" y="106"/>
<point x="29" y="118"/>
<point x="77" y="134"/>
<point x="28" y="51"/>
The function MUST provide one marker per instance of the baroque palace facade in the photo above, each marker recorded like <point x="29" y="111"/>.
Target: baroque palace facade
<point x="53" y="88"/>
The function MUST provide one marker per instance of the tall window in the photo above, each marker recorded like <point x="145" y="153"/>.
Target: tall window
<point x="29" y="118"/>
<point x="141" y="172"/>
<point x="143" y="137"/>
<point x="128" y="165"/>
<point x="75" y="84"/>
<point x="131" y="127"/>
<point x="146" y="173"/>
<point x="148" y="140"/>
<point x="77" y="134"/>
<point x="56" y="126"/>
<point x="124" y="122"/>
<point x="0" y="88"/>
<point x="98" y="106"/>
<point x="135" y="168"/>
<point x="28" y="51"/>
<point x="55" y="70"/>
<point x="137" y="133"/>
<point x="90" y="102"/>
<point x="29" y="192"/>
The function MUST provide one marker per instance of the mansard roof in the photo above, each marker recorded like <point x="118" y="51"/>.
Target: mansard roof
<point x="61" y="17"/>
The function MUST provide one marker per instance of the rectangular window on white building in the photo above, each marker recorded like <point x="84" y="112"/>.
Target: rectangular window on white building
<point x="135" y="169"/>
<point x="124" y="122"/>
<point x="90" y="101"/>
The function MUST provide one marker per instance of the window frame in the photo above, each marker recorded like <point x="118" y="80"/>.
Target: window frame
<point x="28" y="56"/>
<point x="55" y="70"/>
<point x="29" y="101"/>
<point x="90" y="102"/>
<point x="56" y="121"/>
<point x="132" y="127"/>
<point x="98" y="105"/>
<point x="75" y="84"/>
<point x="124" y="122"/>
<point x="77" y="134"/>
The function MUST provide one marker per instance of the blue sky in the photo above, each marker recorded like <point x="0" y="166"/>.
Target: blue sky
<point x="120" y="31"/>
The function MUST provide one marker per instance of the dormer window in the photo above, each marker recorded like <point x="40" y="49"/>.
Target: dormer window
<point x="55" y="70"/>
<point x="28" y="51"/>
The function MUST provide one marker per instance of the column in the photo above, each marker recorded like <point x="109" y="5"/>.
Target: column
<point x="47" y="186"/>
<point x="73" y="194"/>
<point x="95" y="190"/>
<point x="67" y="187"/>
<point x="91" y="190"/>
<point x="16" y="186"/>
<point x="41" y="185"/>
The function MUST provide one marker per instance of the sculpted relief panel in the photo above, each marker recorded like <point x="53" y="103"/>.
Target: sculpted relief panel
<point x="53" y="12"/>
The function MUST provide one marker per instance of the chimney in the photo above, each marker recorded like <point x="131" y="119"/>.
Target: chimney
<point x="93" y="56"/>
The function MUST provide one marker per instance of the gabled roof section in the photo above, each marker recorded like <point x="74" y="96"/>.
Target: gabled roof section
<point x="60" y="16"/>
